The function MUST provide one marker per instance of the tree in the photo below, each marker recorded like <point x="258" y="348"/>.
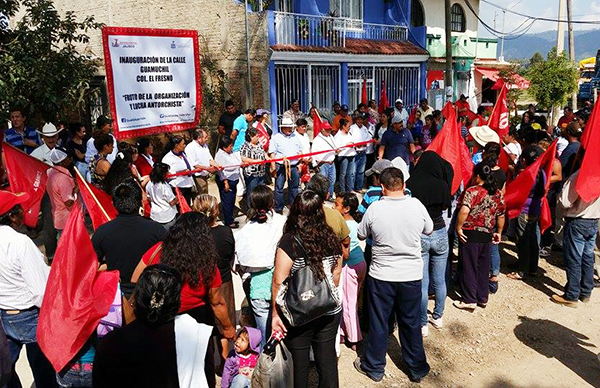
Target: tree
<point x="553" y="80"/>
<point x="40" y="66"/>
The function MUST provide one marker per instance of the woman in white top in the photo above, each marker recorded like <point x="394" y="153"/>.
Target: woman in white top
<point x="255" y="246"/>
<point x="178" y="162"/>
<point x="162" y="200"/>
<point x="360" y="133"/>
<point x="228" y="178"/>
<point x="346" y="157"/>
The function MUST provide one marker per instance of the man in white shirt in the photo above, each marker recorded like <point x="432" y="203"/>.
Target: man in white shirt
<point x="425" y="109"/>
<point x="23" y="277"/>
<point x="325" y="162"/>
<point x="103" y="124"/>
<point x="580" y="232"/>
<point x="199" y="156"/>
<point x="395" y="223"/>
<point x="360" y="134"/>
<point x="50" y="137"/>
<point x="400" y="112"/>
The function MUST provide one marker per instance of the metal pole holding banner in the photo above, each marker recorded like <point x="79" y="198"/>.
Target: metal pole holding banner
<point x="249" y="79"/>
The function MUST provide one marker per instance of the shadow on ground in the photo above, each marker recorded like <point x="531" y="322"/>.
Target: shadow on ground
<point x="567" y="346"/>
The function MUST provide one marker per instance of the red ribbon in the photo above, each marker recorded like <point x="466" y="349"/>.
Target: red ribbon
<point x="301" y="156"/>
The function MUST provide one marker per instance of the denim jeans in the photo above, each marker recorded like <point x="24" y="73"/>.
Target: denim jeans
<point x="21" y="330"/>
<point x="328" y="171"/>
<point x="347" y="173"/>
<point x="434" y="251"/>
<point x="495" y="268"/>
<point x="293" y="184"/>
<point x="385" y="299"/>
<point x="528" y="248"/>
<point x="262" y="315"/>
<point x="240" y="381"/>
<point x="251" y="183"/>
<point x="578" y="247"/>
<point x="360" y="162"/>
<point x="78" y="376"/>
<point x="227" y="200"/>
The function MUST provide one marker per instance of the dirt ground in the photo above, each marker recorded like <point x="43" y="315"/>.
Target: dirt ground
<point x="521" y="340"/>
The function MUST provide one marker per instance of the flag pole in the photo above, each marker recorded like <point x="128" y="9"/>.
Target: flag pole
<point x="92" y="194"/>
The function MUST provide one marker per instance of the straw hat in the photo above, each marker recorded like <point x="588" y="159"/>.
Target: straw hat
<point x="49" y="130"/>
<point x="484" y="135"/>
<point x="287" y="122"/>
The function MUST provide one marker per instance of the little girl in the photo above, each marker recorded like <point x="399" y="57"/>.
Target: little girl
<point x="237" y="372"/>
<point x="353" y="271"/>
<point x="481" y="209"/>
<point x="228" y="179"/>
<point x="162" y="200"/>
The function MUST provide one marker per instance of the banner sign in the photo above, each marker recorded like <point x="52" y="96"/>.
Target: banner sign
<point x="153" y="80"/>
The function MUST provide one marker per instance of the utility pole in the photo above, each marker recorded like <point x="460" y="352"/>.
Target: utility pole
<point x="502" y="42"/>
<point x="571" y="47"/>
<point x="560" y="37"/>
<point x="448" y="75"/>
<point x="249" y="78"/>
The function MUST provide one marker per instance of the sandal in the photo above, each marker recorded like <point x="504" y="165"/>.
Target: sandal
<point x="515" y="275"/>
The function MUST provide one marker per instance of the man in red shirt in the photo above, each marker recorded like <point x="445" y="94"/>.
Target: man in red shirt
<point x="61" y="187"/>
<point x="566" y="118"/>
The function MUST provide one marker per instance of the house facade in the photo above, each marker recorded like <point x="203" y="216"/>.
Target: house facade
<point x="474" y="58"/>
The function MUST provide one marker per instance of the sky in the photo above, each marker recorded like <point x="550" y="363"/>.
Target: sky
<point x="588" y="10"/>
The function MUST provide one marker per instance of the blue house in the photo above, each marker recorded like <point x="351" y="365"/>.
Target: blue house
<point x="323" y="51"/>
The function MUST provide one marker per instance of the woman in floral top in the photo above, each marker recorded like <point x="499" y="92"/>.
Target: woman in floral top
<point x="252" y="151"/>
<point x="481" y="209"/>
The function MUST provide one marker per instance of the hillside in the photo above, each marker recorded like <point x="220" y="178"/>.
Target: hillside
<point x="586" y="44"/>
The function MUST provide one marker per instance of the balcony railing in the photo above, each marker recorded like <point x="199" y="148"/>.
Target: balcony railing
<point x="325" y="31"/>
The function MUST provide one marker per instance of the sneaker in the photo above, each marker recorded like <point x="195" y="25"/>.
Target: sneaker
<point x="437" y="323"/>
<point x="544" y="252"/>
<point x="358" y="367"/>
<point x="596" y="283"/>
<point x="585" y="299"/>
<point x="425" y="331"/>
<point x="493" y="287"/>
<point x="482" y="305"/>
<point x="459" y="304"/>
<point x="565" y="302"/>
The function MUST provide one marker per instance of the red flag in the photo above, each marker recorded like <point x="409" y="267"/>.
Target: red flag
<point x="263" y="136"/>
<point x="499" y="118"/>
<point x="317" y="122"/>
<point x="383" y="100"/>
<point x="184" y="207"/>
<point x="413" y="115"/>
<point x="364" y="98"/>
<point x="450" y="146"/>
<point x="97" y="202"/>
<point x="504" y="160"/>
<point x="26" y="174"/>
<point x="518" y="189"/>
<point x="77" y="295"/>
<point x="448" y="110"/>
<point x="587" y="184"/>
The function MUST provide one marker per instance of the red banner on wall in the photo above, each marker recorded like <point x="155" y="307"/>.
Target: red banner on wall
<point x="153" y="79"/>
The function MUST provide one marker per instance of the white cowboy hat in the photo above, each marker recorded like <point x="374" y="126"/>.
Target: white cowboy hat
<point x="48" y="130"/>
<point x="287" y="122"/>
<point x="484" y="135"/>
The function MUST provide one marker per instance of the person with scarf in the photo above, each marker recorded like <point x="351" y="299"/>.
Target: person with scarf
<point x="431" y="182"/>
<point x="179" y="163"/>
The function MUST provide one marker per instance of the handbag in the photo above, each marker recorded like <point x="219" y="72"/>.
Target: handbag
<point x="302" y="297"/>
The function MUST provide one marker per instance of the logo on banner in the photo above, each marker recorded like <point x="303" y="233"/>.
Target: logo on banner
<point x="173" y="45"/>
<point x="126" y="120"/>
<point x="115" y="42"/>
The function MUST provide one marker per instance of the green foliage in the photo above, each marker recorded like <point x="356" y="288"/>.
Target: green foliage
<point x="553" y="80"/>
<point x="40" y="66"/>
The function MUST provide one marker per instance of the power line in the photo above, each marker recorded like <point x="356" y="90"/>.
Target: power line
<point x="499" y="34"/>
<point x="538" y="18"/>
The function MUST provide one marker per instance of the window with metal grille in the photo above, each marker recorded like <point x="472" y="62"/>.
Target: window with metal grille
<point x="457" y="18"/>
<point x="351" y="9"/>
<point x="400" y="82"/>
<point x="317" y="85"/>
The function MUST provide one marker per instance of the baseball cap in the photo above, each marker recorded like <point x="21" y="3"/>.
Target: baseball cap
<point x="261" y="112"/>
<point x="58" y="154"/>
<point x="378" y="167"/>
<point x="344" y="107"/>
<point x="287" y="122"/>
<point x="396" y="119"/>
<point x="399" y="101"/>
<point x="8" y="200"/>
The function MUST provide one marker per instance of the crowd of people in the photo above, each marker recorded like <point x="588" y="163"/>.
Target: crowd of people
<point x="371" y="216"/>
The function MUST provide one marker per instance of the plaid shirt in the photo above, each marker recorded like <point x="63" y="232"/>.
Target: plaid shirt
<point x="257" y="152"/>
<point x="14" y="138"/>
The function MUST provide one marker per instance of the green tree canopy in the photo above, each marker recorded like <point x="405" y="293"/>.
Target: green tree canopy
<point x="40" y="66"/>
<point x="553" y="80"/>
